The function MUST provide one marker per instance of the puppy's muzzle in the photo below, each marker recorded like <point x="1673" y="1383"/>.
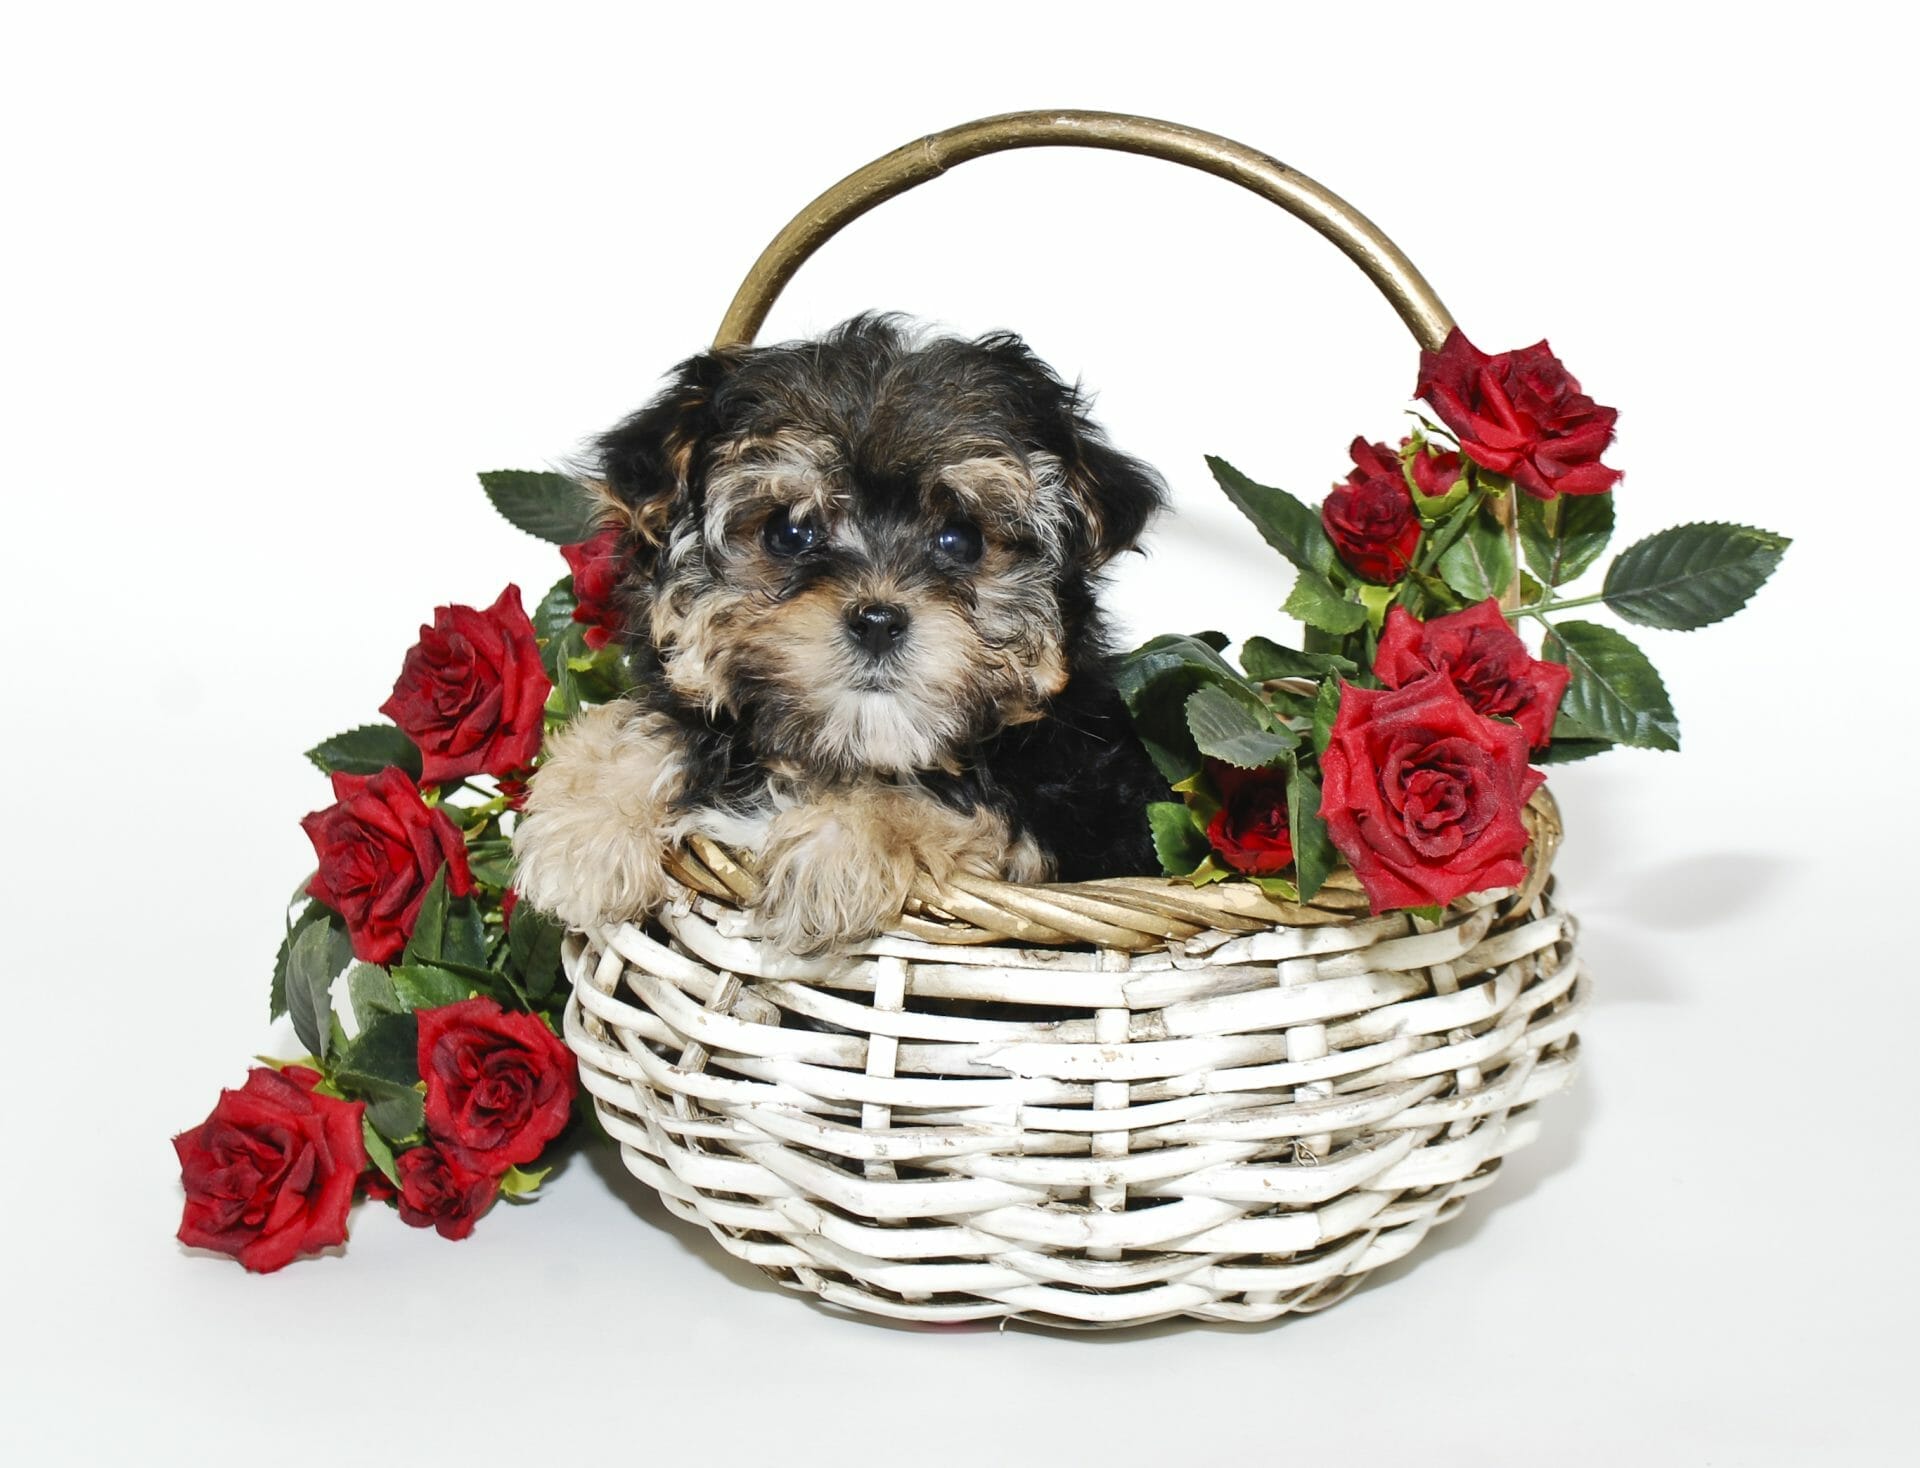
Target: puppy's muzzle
<point x="877" y="626"/>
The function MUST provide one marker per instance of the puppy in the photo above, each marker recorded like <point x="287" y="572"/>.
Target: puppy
<point x="862" y="619"/>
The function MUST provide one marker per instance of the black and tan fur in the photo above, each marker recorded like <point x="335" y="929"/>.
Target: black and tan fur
<point x="863" y="624"/>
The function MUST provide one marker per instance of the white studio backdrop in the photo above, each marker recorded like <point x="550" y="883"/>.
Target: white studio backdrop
<point x="278" y="281"/>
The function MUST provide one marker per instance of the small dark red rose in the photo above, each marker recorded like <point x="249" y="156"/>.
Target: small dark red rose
<point x="596" y="568"/>
<point x="1520" y="414"/>
<point x="1370" y="518"/>
<point x="380" y="847"/>
<point x="472" y="692"/>
<point x="500" y="1086"/>
<point x="1434" y="471"/>
<point x="1250" y="830"/>
<point x="270" y="1173"/>
<point x="1423" y="796"/>
<point x="438" y="1193"/>
<point x="1487" y="662"/>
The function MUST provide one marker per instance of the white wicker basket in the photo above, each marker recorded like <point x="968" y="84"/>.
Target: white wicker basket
<point x="1087" y="1105"/>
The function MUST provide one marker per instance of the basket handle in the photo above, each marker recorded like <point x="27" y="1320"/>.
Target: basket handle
<point x="905" y="168"/>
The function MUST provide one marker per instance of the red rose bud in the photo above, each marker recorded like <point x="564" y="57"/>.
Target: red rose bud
<point x="438" y="1193"/>
<point x="1520" y="414"/>
<point x="1485" y="660"/>
<point x="1423" y="796"/>
<point x="1434" y="472"/>
<point x="270" y="1173"/>
<point x="1370" y="519"/>
<point x="596" y="566"/>
<point x="472" y="692"/>
<point x="500" y="1086"/>
<point x="379" y="848"/>
<point x="1250" y="830"/>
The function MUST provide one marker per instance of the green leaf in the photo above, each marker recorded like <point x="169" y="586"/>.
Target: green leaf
<point x="1209" y="872"/>
<point x="1170" y="653"/>
<point x="1574" y="747"/>
<point x="1326" y="708"/>
<point x="1177" y="841"/>
<point x="378" y="1152"/>
<point x="387" y="1049"/>
<point x="1264" y="659"/>
<point x="490" y="859"/>
<point x="553" y="618"/>
<point x="1480" y="563"/>
<point x="1314" y="601"/>
<point x="1314" y="856"/>
<point x="522" y="1187"/>
<point x="1279" y="887"/>
<point x="366" y="751"/>
<point x="1615" y="693"/>
<point x="1692" y="575"/>
<point x="1431" y="911"/>
<point x="313" y="912"/>
<point x="1290" y="527"/>
<point x="1376" y="599"/>
<point x="1156" y="680"/>
<point x="550" y="506"/>
<point x="398" y="1113"/>
<point x="310" y="973"/>
<point x="370" y="992"/>
<point x="533" y="944"/>
<point x="421" y="986"/>
<point x="1565" y="535"/>
<point x="1229" y="727"/>
<point x="464" y="940"/>
<point x="1216" y="640"/>
<point x="429" y="937"/>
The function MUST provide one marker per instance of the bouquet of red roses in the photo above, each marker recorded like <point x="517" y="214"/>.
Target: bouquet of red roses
<point x="1401" y="734"/>
<point x="428" y="1004"/>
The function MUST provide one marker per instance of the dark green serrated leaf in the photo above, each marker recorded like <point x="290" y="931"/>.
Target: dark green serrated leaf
<point x="378" y="1152"/>
<point x="464" y="941"/>
<point x="1156" y="680"/>
<point x="1177" y="841"/>
<point x="1563" y="536"/>
<point x="426" y="987"/>
<point x="386" y="1049"/>
<point x="1314" y="856"/>
<point x="490" y="859"/>
<point x="1284" y="522"/>
<point x="1615" y="693"/>
<point x="1265" y="659"/>
<point x="533" y="946"/>
<point x="1315" y="602"/>
<point x="550" y="506"/>
<point x="1227" y="726"/>
<point x="1216" y="640"/>
<point x="1480" y="563"/>
<point x="399" y="1113"/>
<point x="1326" y="708"/>
<point x="313" y="912"/>
<point x="1692" y="575"/>
<point x="309" y="976"/>
<point x="1566" y="751"/>
<point x="428" y="939"/>
<point x="366" y="751"/>
<point x="370" y="992"/>
<point x="1140" y="669"/>
<point x="552" y="620"/>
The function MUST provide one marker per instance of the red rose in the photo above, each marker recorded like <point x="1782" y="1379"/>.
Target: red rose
<point x="1434" y="471"/>
<point x="379" y="848"/>
<point x="1250" y="830"/>
<point x="1520" y="414"/>
<point x="270" y="1173"/>
<point x="1487" y="662"/>
<point x="438" y="1193"/>
<point x="499" y="1086"/>
<point x="472" y="693"/>
<point x="1370" y="519"/>
<point x="596" y="567"/>
<point x="1423" y="796"/>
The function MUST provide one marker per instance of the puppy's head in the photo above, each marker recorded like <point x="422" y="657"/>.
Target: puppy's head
<point x="871" y="550"/>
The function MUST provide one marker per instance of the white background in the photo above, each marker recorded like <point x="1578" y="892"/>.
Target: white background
<point x="281" y="278"/>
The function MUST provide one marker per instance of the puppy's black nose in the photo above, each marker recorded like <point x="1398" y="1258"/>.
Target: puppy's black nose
<point x="877" y="626"/>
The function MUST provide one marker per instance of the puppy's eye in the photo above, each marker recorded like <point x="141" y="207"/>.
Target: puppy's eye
<point x="959" y="542"/>
<point x="785" y="536"/>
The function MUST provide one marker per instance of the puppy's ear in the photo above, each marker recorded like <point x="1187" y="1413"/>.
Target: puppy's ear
<point x="1115" y="493"/>
<point x="649" y="460"/>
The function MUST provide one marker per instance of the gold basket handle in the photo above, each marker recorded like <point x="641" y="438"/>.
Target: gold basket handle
<point x="931" y="156"/>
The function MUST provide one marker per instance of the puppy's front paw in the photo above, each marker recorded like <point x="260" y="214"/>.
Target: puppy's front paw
<point x="590" y="842"/>
<point x="829" y="877"/>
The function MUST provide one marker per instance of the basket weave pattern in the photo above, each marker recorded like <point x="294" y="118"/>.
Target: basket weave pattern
<point x="1236" y="1126"/>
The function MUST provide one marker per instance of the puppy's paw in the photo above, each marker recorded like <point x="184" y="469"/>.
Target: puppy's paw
<point x="590" y="843"/>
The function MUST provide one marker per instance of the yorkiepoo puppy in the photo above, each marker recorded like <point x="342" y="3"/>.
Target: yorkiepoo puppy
<point x="861" y="605"/>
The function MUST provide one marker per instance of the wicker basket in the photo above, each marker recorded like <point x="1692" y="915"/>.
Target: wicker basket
<point x="1094" y="1104"/>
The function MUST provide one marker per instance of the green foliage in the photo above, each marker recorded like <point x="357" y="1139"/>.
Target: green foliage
<point x="1177" y="840"/>
<point x="1479" y="564"/>
<point x="552" y="621"/>
<point x="1314" y="856"/>
<point x="1156" y="680"/>
<point x="370" y="992"/>
<point x="1228" y="724"/>
<point x="1264" y="659"/>
<point x="1615" y="693"/>
<point x="1692" y="575"/>
<point x="550" y="506"/>
<point x="426" y="986"/>
<point x="366" y="751"/>
<point x="313" y="912"/>
<point x="1289" y="526"/>
<point x="378" y="1152"/>
<point x="313" y="961"/>
<point x="1563" y="536"/>
<point x="1315" y="601"/>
